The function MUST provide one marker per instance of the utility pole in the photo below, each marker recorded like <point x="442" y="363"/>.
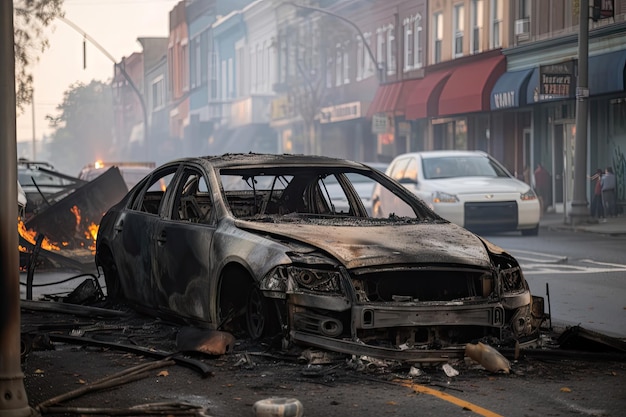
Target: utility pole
<point x="13" y="399"/>
<point x="580" y="206"/>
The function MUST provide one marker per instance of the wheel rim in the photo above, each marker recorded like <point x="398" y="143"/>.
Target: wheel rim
<point x="255" y="314"/>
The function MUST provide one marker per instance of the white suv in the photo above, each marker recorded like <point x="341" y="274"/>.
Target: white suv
<point x="468" y="188"/>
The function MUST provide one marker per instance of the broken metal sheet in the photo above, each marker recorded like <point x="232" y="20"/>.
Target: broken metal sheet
<point x="67" y="222"/>
<point x="578" y="338"/>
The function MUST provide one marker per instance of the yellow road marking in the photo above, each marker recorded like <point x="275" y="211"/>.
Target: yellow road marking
<point x="447" y="397"/>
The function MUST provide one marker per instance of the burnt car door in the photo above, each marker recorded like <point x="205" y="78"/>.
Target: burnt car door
<point x="183" y="246"/>
<point x="133" y="238"/>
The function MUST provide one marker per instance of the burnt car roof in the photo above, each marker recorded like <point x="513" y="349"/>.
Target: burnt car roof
<point x="256" y="159"/>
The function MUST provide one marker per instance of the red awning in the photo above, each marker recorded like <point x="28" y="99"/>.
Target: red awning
<point x="424" y="95"/>
<point x="469" y="87"/>
<point x="386" y="99"/>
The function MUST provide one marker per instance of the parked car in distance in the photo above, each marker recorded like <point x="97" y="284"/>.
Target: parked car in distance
<point x="251" y="244"/>
<point x="468" y="188"/>
<point x="132" y="172"/>
<point x="42" y="184"/>
<point x="363" y="185"/>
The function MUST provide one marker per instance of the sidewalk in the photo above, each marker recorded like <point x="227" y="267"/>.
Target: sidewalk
<point x="614" y="226"/>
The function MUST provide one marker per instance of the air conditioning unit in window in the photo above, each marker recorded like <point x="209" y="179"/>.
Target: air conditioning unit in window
<point x="522" y="27"/>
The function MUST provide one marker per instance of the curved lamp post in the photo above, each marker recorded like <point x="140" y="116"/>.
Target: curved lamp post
<point x="380" y="72"/>
<point x="142" y="102"/>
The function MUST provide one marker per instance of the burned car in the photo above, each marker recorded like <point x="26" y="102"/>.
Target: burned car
<point x="253" y="243"/>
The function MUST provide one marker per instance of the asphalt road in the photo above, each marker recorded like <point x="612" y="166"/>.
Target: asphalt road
<point x="585" y="276"/>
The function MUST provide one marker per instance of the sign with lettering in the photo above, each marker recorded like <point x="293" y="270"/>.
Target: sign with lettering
<point x="341" y="112"/>
<point x="504" y="99"/>
<point x="603" y="9"/>
<point x="557" y="80"/>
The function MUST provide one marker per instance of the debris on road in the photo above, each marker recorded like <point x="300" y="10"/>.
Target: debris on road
<point x="488" y="357"/>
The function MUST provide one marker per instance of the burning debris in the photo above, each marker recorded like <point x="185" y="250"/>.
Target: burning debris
<point x="69" y="226"/>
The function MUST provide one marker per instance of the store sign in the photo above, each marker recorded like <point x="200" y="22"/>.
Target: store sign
<point x="339" y="113"/>
<point x="281" y="108"/>
<point x="557" y="80"/>
<point x="603" y="9"/>
<point x="380" y="123"/>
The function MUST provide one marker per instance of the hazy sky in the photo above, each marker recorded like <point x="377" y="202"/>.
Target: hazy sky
<point x="114" y="24"/>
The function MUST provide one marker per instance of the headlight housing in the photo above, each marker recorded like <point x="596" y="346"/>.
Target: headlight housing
<point x="528" y="195"/>
<point x="441" y="197"/>
<point x="303" y="278"/>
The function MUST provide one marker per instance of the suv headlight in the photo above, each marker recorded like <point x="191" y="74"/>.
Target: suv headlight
<point x="441" y="197"/>
<point x="528" y="195"/>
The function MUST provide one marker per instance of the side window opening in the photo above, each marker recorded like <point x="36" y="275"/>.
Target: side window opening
<point x="150" y="200"/>
<point x="192" y="200"/>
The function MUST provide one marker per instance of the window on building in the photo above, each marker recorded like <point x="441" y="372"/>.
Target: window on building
<point x="370" y="64"/>
<point x="196" y="62"/>
<point x="185" y="65"/>
<point x="360" y="58"/>
<point x="329" y="72"/>
<point x="240" y="86"/>
<point x="391" y="50"/>
<point x="346" y="62"/>
<point x="409" y="44"/>
<point x="213" y="74"/>
<point x="437" y="36"/>
<point x="496" y="24"/>
<point x="524" y="9"/>
<point x="231" y="78"/>
<point x="380" y="47"/>
<point x="223" y="77"/>
<point x="254" y="74"/>
<point x="268" y="72"/>
<point x="158" y="93"/>
<point x="418" y="51"/>
<point x="458" y="18"/>
<point x="477" y="26"/>
<point x="338" y="65"/>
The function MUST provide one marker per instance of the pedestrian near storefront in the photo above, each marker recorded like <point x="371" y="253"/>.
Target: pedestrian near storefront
<point x="608" y="192"/>
<point x="597" y="208"/>
<point x="542" y="186"/>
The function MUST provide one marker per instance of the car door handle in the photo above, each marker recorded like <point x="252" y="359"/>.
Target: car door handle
<point x="162" y="238"/>
<point x="119" y="226"/>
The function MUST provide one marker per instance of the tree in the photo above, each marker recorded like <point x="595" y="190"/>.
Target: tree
<point x="83" y="127"/>
<point x="31" y="17"/>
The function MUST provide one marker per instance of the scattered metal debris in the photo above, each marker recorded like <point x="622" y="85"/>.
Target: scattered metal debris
<point x="578" y="338"/>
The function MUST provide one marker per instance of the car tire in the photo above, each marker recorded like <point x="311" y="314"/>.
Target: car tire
<point x="531" y="232"/>
<point x="256" y="314"/>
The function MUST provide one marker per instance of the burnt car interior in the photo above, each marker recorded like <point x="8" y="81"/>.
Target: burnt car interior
<point x="279" y="193"/>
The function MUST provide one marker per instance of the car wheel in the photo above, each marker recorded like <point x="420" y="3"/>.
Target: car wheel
<point x="111" y="276"/>
<point x="531" y="232"/>
<point x="256" y="313"/>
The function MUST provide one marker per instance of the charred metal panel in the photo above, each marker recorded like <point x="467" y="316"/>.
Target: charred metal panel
<point x="361" y="246"/>
<point x="67" y="221"/>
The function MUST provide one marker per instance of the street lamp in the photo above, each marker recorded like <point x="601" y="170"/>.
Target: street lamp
<point x="380" y="69"/>
<point x="580" y="210"/>
<point x="142" y="102"/>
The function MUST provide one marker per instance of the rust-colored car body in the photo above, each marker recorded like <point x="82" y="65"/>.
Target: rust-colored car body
<point x="252" y="242"/>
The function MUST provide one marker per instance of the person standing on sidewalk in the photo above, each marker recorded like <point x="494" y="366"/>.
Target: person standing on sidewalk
<point x="542" y="186"/>
<point x="608" y="192"/>
<point x="597" y="208"/>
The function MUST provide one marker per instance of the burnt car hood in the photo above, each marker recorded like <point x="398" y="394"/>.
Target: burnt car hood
<point x="362" y="246"/>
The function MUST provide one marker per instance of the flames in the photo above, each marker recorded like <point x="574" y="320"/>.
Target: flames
<point x="87" y="231"/>
<point x="30" y="236"/>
